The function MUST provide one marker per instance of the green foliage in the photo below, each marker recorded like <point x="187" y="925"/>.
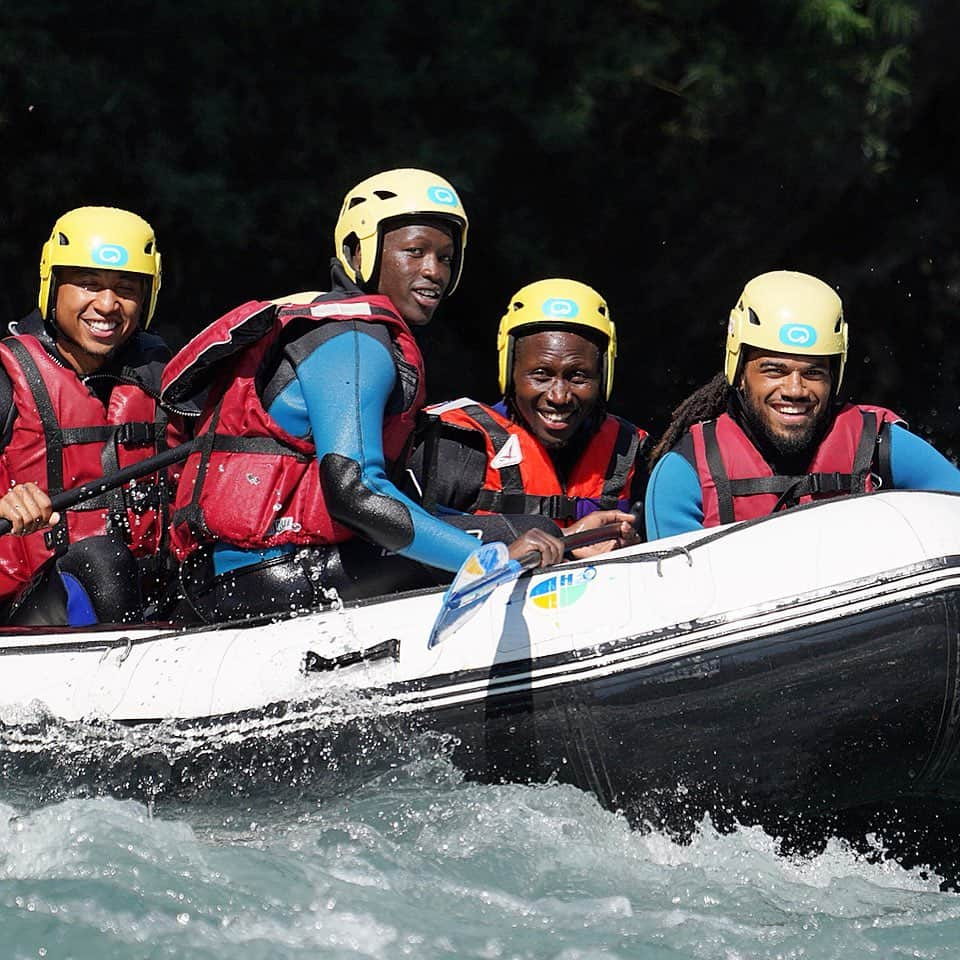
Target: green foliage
<point x="662" y="150"/>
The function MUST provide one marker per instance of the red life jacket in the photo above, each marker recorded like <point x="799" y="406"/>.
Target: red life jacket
<point x="63" y="437"/>
<point x="521" y="478"/>
<point x="250" y="483"/>
<point x="738" y="484"/>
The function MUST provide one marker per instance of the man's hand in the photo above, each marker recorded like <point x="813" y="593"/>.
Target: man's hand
<point x="549" y="548"/>
<point x="28" y="508"/>
<point x="627" y="537"/>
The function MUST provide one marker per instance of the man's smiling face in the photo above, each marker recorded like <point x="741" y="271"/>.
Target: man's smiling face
<point x="415" y="269"/>
<point x="96" y="312"/>
<point x="787" y="396"/>
<point x="556" y="382"/>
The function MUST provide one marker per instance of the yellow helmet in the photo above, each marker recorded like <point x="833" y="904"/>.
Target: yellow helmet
<point x="556" y="305"/>
<point x="105" y="238"/>
<point x="385" y="196"/>
<point x="788" y="313"/>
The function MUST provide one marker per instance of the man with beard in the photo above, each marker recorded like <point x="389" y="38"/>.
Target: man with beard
<point x="549" y="448"/>
<point x="770" y="433"/>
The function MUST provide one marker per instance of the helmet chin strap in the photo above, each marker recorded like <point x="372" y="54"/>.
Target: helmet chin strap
<point x="372" y="285"/>
<point x="50" y="320"/>
<point x="834" y="398"/>
<point x="367" y="286"/>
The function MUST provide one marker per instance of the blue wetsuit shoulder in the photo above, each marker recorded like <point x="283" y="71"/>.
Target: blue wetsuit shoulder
<point x="917" y="465"/>
<point x="674" y="502"/>
<point x="339" y="397"/>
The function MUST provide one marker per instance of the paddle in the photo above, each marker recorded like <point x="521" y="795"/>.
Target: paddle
<point x="490" y="566"/>
<point x="111" y="481"/>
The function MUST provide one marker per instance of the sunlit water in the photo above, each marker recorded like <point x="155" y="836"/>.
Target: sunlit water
<point x="418" y="862"/>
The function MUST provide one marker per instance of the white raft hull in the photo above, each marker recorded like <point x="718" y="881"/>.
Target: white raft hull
<point x="838" y="559"/>
<point x="809" y="660"/>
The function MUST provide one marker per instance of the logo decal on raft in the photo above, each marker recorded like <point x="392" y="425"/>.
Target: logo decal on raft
<point x="563" y="590"/>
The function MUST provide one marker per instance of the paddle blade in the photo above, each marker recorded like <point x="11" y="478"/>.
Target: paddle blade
<point x="482" y="572"/>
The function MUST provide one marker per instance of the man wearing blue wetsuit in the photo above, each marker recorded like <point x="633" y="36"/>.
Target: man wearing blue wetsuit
<point x="769" y="432"/>
<point x="310" y="403"/>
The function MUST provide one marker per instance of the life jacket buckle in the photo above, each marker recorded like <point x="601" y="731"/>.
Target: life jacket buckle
<point x="135" y="434"/>
<point x="561" y="507"/>
<point x="827" y="483"/>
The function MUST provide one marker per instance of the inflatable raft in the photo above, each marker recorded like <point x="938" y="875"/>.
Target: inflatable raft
<point x="806" y="662"/>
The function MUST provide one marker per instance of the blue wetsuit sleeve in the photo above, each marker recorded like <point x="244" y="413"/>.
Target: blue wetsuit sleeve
<point x="916" y="465"/>
<point x="674" y="503"/>
<point x="339" y="395"/>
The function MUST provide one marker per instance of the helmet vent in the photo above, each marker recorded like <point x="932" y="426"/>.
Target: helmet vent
<point x="602" y="309"/>
<point x="384" y="194"/>
<point x="149" y="247"/>
<point x="516" y="305"/>
<point x="836" y="329"/>
<point x="754" y="319"/>
<point x="63" y="240"/>
<point x="354" y="201"/>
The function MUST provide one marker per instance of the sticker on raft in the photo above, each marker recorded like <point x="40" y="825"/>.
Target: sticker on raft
<point x="562" y="591"/>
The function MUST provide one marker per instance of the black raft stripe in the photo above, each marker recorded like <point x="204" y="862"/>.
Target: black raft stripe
<point x="492" y="676"/>
<point x="506" y="676"/>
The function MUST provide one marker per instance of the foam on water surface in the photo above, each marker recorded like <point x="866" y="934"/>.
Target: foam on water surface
<point x="417" y="862"/>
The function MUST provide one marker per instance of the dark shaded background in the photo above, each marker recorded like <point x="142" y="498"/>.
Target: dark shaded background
<point x="663" y="152"/>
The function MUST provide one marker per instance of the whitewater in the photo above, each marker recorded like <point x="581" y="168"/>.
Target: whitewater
<point x="418" y="862"/>
<point x="273" y="792"/>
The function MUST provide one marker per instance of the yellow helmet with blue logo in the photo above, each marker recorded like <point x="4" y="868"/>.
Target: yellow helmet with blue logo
<point x="787" y="312"/>
<point x="556" y="305"/>
<point x="370" y="205"/>
<point x="105" y="238"/>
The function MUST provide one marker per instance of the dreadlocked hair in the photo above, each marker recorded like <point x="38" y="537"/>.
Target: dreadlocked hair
<point x="705" y="403"/>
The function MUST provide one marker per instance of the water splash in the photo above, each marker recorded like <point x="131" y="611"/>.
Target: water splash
<point x="420" y="862"/>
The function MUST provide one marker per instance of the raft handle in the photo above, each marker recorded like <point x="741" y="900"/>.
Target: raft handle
<point x="677" y="551"/>
<point x="315" y="663"/>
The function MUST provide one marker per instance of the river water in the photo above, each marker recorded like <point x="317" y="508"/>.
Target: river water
<point x="415" y="861"/>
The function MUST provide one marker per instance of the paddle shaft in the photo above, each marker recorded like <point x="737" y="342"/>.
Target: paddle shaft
<point x="571" y="541"/>
<point x="141" y="468"/>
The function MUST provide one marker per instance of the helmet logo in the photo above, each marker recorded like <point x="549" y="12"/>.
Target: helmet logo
<point x="443" y="195"/>
<point x="560" y="307"/>
<point x="798" y="335"/>
<point x="110" y="255"/>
